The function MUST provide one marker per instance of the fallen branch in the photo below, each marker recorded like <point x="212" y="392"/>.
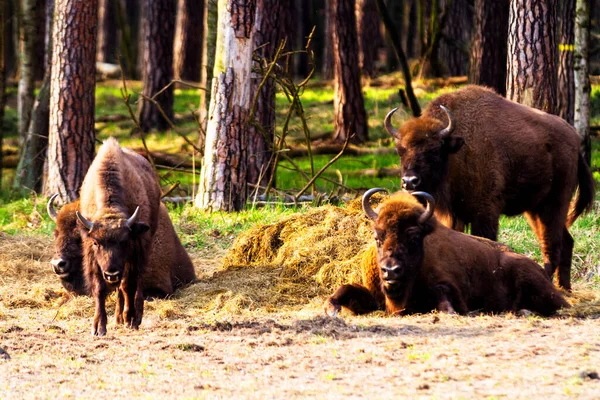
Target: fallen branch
<point x="333" y="148"/>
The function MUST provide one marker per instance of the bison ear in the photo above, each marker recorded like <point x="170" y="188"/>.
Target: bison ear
<point x="452" y="144"/>
<point x="138" y="228"/>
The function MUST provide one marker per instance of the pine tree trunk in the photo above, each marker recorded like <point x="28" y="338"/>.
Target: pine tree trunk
<point x="489" y="45"/>
<point x="566" y="83"/>
<point x="159" y="29"/>
<point x="269" y="33"/>
<point x="350" y="117"/>
<point x="40" y="43"/>
<point x="27" y="37"/>
<point x="128" y="22"/>
<point x="188" y="46"/>
<point x="532" y="54"/>
<point x="304" y="26"/>
<point x="582" y="78"/>
<point x="369" y="38"/>
<point x="71" y="140"/>
<point x="397" y="10"/>
<point x="223" y="180"/>
<point x="327" y="67"/>
<point x="209" y="36"/>
<point x="30" y="171"/>
<point x="456" y="37"/>
<point x="412" y="37"/>
<point x="107" y="32"/>
<point x="11" y="45"/>
<point x="2" y="80"/>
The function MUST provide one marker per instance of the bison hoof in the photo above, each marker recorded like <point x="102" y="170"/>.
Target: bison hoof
<point x="332" y="308"/>
<point x="524" y="313"/>
<point x="101" y="331"/>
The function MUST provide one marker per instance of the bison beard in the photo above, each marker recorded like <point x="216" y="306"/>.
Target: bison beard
<point x="495" y="157"/>
<point x="418" y="265"/>
<point x="118" y="217"/>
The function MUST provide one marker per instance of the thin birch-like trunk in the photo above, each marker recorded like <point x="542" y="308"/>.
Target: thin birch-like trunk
<point x="27" y="36"/>
<point x="581" y="76"/>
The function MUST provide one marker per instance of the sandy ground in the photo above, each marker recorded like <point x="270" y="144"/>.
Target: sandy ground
<point x="47" y="350"/>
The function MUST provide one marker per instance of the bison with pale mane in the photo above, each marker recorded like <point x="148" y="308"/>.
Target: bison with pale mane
<point x="421" y="265"/>
<point x="481" y="155"/>
<point x="118" y="217"/>
<point x="169" y="266"/>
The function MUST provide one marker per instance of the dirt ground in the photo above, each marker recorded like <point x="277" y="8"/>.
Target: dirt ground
<point x="47" y="350"/>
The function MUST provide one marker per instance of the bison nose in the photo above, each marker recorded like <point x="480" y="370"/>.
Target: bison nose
<point x="391" y="273"/>
<point x="410" y="182"/>
<point x="112" y="276"/>
<point x="60" y="266"/>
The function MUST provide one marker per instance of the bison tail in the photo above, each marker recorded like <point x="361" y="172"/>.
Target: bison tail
<point x="587" y="191"/>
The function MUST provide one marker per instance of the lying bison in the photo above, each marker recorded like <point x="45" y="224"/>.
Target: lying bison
<point x="169" y="266"/>
<point x="492" y="157"/>
<point x="421" y="265"/>
<point x="118" y="216"/>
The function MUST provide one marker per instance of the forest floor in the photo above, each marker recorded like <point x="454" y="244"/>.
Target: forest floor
<point x="47" y="350"/>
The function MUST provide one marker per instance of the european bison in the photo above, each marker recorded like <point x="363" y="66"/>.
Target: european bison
<point x="118" y="216"/>
<point x="421" y="265"/>
<point x="494" y="156"/>
<point x="169" y="266"/>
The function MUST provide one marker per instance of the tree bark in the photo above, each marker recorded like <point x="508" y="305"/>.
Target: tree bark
<point x="208" y="55"/>
<point x="582" y="78"/>
<point x="2" y="81"/>
<point x="71" y="140"/>
<point x="107" y="32"/>
<point x="223" y="180"/>
<point x="304" y="26"/>
<point x="30" y="171"/>
<point x="532" y="54"/>
<point x="27" y="38"/>
<point x="327" y="67"/>
<point x="188" y="43"/>
<point x="270" y="31"/>
<point x="456" y="37"/>
<point x="489" y="45"/>
<point x="397" y="12"/>
<point x="566" y="82"/>
<point x="350" y="117"/>
<point x="369" y="38"/>
<point x="40" y="42"/>
<point x="159" y="30"/>
<point x="11" y="46"/>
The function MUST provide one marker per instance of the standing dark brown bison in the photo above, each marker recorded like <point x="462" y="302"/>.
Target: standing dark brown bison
<point x="420" y="265"/>
<point x="481" y="155"/>
<point x="118" y="216"/>
<point x="169" y="266"/>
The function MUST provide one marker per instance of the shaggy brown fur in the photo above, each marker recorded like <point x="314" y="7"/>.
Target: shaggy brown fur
<point x="169" y="265"/>
<point x="116" y="244"/>
<point x="439" y="268"/>
<point x="501" y="158"/>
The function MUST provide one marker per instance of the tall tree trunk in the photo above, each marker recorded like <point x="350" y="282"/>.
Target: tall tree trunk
<point x="27" y="36"/>
<point x="223" y="180"/>
<point x="107" y="31"/>
<point x="412" y="29"/>
<point x="188" y="45"/>
<point x="40" y="34"/>
<point x="532" y="54"/>
<point x="71" y="140"/>
<point x="270" y="31"/>
<point x="128" y="22"/>
<point x="327" y="67"/>
<point x="456" y="37"/>
<point x="304" y="26"/>
<point x="369" y="38"/>
<point x="396" y="9"/>
<point x="209" y="36"/>
<point x="159" y="29"/>
<point x="566" y="82"/>
<point x="30" y="171"/>
<point x="582" y="78"/>
<point x="350" y="117"/>
<point x="11" y="46"/>
<point x="2" y="80"/>
<point x="489" y="45"/>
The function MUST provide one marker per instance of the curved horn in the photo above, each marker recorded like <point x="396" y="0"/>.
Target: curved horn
<point x="134" y="217"/>
<point x="50" y="207"/>
<point x="387" y="122"/>
<point x="88" y="224"/>
<point x="430" y="205"/>
<point x="366" y="205"/>
<point x="447" y="131"/>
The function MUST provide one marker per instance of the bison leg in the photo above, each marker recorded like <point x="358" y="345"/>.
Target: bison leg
<point x="355" y="298"/>
<point x="119" y="307"/>
<point x="99" y="324"/>
<point x="139" y="305"/>
<point x="446" y="296"/>
<point x="566" y="256"/>
<point x="486" y="226"/>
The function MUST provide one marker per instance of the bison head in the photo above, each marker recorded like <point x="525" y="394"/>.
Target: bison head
<point x="424" y="145"/>
<point x="400" y="225"/>
<point x="108" y="241"/>
<point x="66" y="262"/>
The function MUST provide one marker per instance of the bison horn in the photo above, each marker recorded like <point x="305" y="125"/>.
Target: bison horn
<point x="50" y="207"/>
<point x="134" y="217"/>
<point x="387" y="122"/>
<point x="87" y="223"/>
<point x="366" y="205"/>
<point x="447" y="131"/>
<point x="430" y="205"/>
